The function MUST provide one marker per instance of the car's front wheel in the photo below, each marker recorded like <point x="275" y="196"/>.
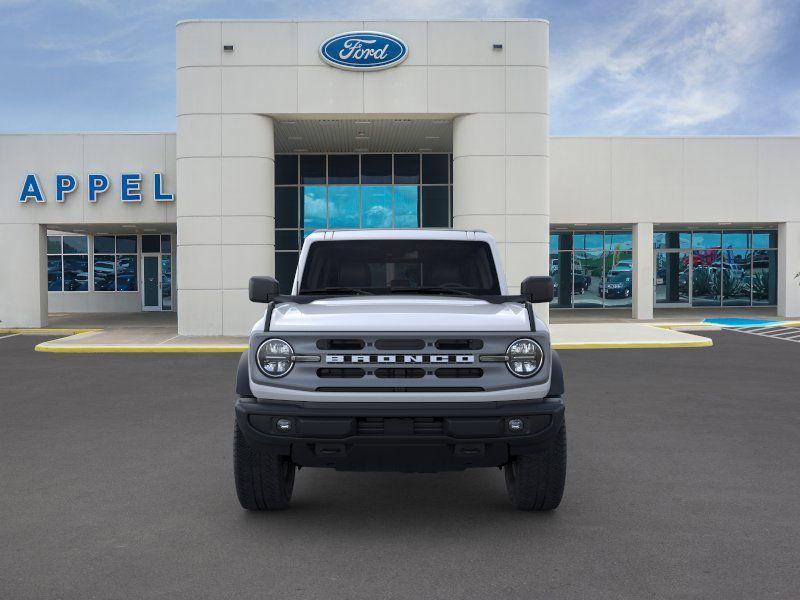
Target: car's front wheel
<point x="536" y="481"/>
<point x="263" y="481"/>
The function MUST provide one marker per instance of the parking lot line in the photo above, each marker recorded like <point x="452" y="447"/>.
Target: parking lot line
<point x="2" y="337"/>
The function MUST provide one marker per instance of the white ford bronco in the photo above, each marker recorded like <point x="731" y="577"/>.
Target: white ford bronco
<point x="399" y="350"/>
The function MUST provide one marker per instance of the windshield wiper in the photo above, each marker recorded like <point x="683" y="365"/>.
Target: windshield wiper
<point x="337" y="290"/>
<point x="433" y="290"/>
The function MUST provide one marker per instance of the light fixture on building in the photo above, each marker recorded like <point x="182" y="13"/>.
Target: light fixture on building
<point x="361" y="150"/>
<point x="301" y="150"/>
<point x="288" y="122"/>
<point x="497" y="46"/>
<point x="228" y="47"/>
<point x="402" y="121"/>
<point x="426" y="149"/>
<point x="363" y="122"/>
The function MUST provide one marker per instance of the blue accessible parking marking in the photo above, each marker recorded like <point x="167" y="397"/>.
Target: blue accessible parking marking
<point x="742" y="322"/>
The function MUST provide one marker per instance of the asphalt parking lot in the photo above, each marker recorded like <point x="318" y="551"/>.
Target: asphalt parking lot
<point x="115" y="482"/>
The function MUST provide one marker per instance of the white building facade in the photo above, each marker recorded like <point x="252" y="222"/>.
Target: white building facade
<point x="275" y="140"/>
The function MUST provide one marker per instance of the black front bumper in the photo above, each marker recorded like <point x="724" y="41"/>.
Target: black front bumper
<point x="415" y="437"/>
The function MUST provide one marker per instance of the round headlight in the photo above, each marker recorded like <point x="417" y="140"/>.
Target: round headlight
<point x="275" y="357"/>
<point x="525" y="357"/>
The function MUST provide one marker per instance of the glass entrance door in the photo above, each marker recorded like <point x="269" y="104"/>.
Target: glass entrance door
<point x="151" y="279"/>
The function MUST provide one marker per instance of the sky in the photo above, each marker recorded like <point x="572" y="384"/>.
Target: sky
<point x="669" y="67"/>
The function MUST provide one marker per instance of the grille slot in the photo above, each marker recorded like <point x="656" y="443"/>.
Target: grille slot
<point x="340" y="344"/>
<point x="428" y="426"/>
<point x="419" y="426"/>
<point x="344" y="373"/>
<point x="459" y="373"/>
<point x="459" y="344"/>
<point x="400" y="344"/>
<point x="399" y="373"/>
<point x="370" y="426"/>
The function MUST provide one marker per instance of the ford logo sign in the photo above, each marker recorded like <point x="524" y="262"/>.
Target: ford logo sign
<point x="363" y="50"/>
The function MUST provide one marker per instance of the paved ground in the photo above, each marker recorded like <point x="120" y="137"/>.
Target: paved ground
<point x="115" y="482"/>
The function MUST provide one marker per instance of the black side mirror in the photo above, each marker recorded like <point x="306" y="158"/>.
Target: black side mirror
<point x="538" y="288"/>
<point x="263" y="289"/>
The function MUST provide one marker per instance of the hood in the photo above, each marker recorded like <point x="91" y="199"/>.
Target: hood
<point x="401" y="313"/>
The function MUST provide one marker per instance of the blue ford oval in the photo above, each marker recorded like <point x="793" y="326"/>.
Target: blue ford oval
<point x="363" y="50"/>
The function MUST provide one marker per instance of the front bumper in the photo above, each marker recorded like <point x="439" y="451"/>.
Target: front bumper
<point x="414" y="437"/>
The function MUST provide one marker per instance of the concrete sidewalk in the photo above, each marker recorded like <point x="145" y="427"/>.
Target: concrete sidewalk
<point x="137" y="335"/>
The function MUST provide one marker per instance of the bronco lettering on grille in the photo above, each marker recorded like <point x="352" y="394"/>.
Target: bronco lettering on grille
<point x="400" y="358"/>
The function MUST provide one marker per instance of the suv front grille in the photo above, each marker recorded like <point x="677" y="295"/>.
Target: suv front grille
<point x="401" y="426"/>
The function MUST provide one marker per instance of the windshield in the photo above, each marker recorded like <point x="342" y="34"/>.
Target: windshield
<point x="394" y="266"/>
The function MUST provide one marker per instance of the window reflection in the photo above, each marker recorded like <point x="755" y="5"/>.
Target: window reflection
<point x="314" y="207"/>
<point x="376" y="206"/>
<point x="406" y="206"/>
<point x="343" y="206"/>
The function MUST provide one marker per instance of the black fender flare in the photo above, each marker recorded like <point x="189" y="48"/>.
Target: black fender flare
<point x="243" y="377"/>
<point x="556" y="377"/>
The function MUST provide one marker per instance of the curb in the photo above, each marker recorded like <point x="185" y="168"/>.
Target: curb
<point x="61" y="349"/>
<point x="704" y="343"/>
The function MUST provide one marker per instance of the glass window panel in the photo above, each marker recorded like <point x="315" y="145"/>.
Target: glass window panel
<point x="314" y="207"/>
<point x="588" y="241"/>
<point x="286" y="169"/>
<point x="706" y="239"/>
<point x="434" y="168"/>
<point x="617" y="286"/>
<point x="104" y="272"/>
<point x="406" y="206"/>
<point x="76" y="273"/>
<point x="376" y="206"/>
<point x="553" y="243"/>
<point x="706" y="277"/>
<point x="126" y="273"/>
<point x="286" y="239"/>
<point x="75" y="244"/>
<point x="672" y="277"/>
<point x="312" y="168"/>
<point x="587" y="274"/>
<point x="150" y="243"/>
<point x="104" y="244"/>
<point x="343" y="206"/>
<point x="126" y="244"/>
<point x="672" y="239"/>
<point x="765" y="277"/>
<point x="286" y="207"/>
<point x="736" y="277"/>
<point x="54" y="244"/>
<point x="285" y="267"/>
<point x="406" y="168"/>
<point x="618" y="241"/>
<point x="765" y="239"/>
<point x="376" y="168"/>
<point x="166" y="282"/>
<point x="343" y="168"/>
<point x="561" y="272"/>
<point x="166" y="244"/>
<point x="435" y="204"/>
<point x="736" y="239"/>
<point x="659" y="239"/>
<point x="54" y="279"/>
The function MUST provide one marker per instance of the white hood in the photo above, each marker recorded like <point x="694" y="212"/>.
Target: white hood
<point x="401" y="313"/>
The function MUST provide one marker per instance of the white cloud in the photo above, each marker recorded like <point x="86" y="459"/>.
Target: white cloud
<point x="671" y="68"/>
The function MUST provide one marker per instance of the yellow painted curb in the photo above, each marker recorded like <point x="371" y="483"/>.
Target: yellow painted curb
<point x="74" y="349"/>
<point x="704" y="343"/>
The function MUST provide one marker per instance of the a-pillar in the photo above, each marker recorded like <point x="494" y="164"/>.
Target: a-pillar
<point x="789" y="269"/>
<point x="501" y="185"/>
<point x="642" y="276"/>
<point x="226" y="223"/>
<point x="23" y="273"/>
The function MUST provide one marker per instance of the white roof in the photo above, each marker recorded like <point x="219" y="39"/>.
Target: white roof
<point x="399" y="234"/>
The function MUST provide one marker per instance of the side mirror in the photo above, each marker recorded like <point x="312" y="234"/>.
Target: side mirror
<point x="263" y="289"/>
<point x="538" y="288"/>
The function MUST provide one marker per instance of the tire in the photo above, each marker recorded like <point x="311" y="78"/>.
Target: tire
<point x="263" y="481"/>
<point x="536" y="481"/>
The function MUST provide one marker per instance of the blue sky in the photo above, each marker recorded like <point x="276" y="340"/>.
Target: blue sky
<point x="617" y="68"/>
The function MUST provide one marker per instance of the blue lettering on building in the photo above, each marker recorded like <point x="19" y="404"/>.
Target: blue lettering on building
<point x="65" y="184"/>
<point x="130" y="187"/>
<point x="363" y="50"/>
<point x="31" y="190"/>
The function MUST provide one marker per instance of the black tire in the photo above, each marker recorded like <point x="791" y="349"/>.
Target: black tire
<point x="263" y="481"/>
<point x="536" y="481"/>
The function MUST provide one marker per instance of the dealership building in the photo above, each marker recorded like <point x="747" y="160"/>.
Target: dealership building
<point x="285" y="127"/>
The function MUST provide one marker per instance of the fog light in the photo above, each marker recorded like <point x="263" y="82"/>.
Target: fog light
<point x="516" y="424"/>
<point x="283" y="424"/>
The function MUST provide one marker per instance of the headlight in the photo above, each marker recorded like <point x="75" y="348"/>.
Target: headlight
<point x="275" y="357"/>
<point x="525" y="357"/>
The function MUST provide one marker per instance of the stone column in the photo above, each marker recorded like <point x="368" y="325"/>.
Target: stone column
<point x="788" y="267"/>
<point x="23" y="273"/>
<point x="642" y="276"/>
<point x="226" y="225"/>
<point x="500" y="184"/>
